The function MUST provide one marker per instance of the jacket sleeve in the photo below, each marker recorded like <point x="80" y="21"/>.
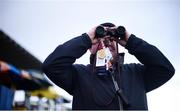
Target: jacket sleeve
<point x="59" y="67"/>
<point x="156" y="67"/>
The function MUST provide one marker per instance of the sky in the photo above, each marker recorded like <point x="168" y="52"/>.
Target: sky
<point x="41" y="25"/>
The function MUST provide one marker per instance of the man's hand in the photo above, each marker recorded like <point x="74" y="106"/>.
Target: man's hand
<point x="123" y="42"/>
<point x="91" y="34"/>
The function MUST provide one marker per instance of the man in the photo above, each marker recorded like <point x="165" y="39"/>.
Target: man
<point x="118" y="86"/>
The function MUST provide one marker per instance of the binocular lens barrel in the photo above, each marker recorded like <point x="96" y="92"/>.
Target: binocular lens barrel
<point x="121" y="32"/>
<point x="100" y="32"/>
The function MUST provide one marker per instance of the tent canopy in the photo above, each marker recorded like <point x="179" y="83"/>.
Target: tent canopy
<point x="13" y="53"/>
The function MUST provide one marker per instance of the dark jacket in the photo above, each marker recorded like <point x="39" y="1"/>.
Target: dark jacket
<point x="91" y="91"/>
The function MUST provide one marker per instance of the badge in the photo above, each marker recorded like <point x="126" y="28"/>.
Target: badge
<point x="108" y="54"/>
<point x="100" y="62"/>
<point x="101" y="54"/>
<point x="104" y="56"/>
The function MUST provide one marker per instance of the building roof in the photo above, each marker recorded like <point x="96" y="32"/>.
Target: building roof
<point x="13" y="53"/>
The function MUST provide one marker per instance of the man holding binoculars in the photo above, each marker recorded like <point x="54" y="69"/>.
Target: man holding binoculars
<point x="106" y="83"/>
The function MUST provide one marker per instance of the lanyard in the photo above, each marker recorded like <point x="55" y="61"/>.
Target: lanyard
<point x="117" y="91"/>
<point x="121" y="97"/>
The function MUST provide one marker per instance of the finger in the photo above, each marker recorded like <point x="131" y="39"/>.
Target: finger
<point x="121" y="42"/>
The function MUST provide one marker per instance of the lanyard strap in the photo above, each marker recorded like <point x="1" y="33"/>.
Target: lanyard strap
<point x="121" y="97"/>
<point x="117" y="90"/>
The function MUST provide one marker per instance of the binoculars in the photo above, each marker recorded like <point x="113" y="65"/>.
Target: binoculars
<point x="117" y="33"/>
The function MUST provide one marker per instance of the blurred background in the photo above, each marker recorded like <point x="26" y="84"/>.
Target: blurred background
<point x="39" y="26"/>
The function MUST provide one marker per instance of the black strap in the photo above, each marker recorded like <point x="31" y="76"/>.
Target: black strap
<point x="117" y="91"/>
<point x="121" y="97"/>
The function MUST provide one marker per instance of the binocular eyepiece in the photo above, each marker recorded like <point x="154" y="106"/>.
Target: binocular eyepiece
<point x="117" y="33"/>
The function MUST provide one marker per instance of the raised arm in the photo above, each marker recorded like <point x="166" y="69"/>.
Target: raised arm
<point x="59" y="67"/>
<point x="157" y="68"/>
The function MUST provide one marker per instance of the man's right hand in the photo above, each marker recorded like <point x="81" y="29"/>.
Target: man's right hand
<point x="94" y="40"/>
<point x="91" y="34"/>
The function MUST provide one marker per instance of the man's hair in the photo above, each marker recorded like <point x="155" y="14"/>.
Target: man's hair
<point x="108" y="24"/>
